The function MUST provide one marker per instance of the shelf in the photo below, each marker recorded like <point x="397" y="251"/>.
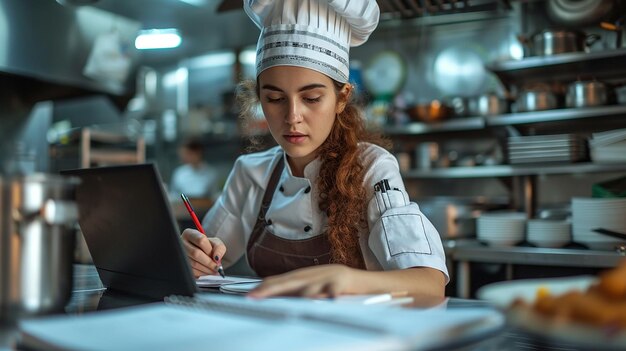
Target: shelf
<point x="114" y="157"/>
<point x="607" y="64"/>
<point x="537" y="256"/>
<point x="460" y="124"/>
<point x="556" y="115"/>
<point x="510" y="171"/>
<point x="478" y="123"/>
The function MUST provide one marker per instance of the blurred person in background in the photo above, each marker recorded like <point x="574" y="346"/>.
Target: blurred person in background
<point x="195" y="177"/>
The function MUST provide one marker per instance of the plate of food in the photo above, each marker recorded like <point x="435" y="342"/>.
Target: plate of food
<point x="588" y="312"/>
<point x="504" y="294"/>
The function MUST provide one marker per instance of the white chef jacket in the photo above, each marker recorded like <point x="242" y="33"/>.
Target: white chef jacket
<point x="396" y="238"/>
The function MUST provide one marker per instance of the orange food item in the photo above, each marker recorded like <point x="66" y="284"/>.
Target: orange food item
<point x="603" y="304"/>
<point x="543" y="292"/>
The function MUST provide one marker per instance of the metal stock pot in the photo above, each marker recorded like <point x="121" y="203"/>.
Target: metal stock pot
<point x="587" y="93"/>
<point x="37" y="218"/>
<point x="535" y="100"/>
<point x="558" y="41"/>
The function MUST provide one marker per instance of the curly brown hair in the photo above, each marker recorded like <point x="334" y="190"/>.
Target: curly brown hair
<point x="341" y="176"/>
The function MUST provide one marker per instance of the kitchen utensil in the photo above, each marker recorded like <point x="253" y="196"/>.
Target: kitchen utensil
<point x="435" y="111"/>
<point x="610" y="233"/>
<point x="557" y="41"/>
<point x="586" y="93"/>
<point x="459" y="104"/>
<point x="37" y="217"/>
<point x="535" y="100"/>
<point x="617" y="27"/>
<point x="591" y="213"/>
<point x="460" y="69"/>
<point x="488" y="105"/>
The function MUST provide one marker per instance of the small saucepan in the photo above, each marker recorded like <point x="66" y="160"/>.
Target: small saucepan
<point x="435" y="111"/>
<point x="488" y="104"/>
<point x="535" y="100"/>
<point x="557" y="41"/>
<point x="586" y="93"/>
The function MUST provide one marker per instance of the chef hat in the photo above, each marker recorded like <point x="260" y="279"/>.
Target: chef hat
<point x="315" y="34"/>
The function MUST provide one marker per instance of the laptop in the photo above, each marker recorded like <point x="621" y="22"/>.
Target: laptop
<point x="130" y="231"/>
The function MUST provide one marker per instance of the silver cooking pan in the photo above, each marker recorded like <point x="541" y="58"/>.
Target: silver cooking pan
<point x="587" y="93"/>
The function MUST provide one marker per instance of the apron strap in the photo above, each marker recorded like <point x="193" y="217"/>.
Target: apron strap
<point x="267" y="201"/>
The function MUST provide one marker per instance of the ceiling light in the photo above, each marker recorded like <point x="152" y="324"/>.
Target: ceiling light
<point x="247" y="57"/>
<point x="195" y="2"/>
<point x="158" y="39"/>
<point x="212" y="60"/>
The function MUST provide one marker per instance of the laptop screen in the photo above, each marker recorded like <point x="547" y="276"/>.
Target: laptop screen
<point x="129" y="229"/>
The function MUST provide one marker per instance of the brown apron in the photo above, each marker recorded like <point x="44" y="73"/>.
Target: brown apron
<point x="269" y="254"/>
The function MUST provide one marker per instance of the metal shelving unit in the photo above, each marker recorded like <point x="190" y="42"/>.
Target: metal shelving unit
<point x="601" y="65"/>
<point x="609" y="65"/>
<point x="478" y="123"/>
<point x="513" y="171"/>
<point x="557" y="115"/>
<point x="460" y="124"/>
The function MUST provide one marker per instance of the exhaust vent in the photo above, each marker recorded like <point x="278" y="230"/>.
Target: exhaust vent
<point x="399" y="9"/>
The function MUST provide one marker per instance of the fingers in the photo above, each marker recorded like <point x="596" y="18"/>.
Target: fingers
<point x="312" y="282"/>
<point x="219" y="249"/>
<point x="199" y="270"/>
<point x="289" y="284"/>
<point x="275" y="286"/>
<point x="202" y="251"/>
<point x="198" y="239"/>
<point x="198" y="259"/>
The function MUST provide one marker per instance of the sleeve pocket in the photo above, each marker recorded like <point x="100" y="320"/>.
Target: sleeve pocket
<point x="400" y="231"/>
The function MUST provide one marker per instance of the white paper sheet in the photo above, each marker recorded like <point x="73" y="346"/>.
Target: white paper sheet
<point x="215" y="281"/>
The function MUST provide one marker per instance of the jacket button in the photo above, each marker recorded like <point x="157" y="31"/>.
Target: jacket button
<point x="307" y="228"/>
<point x="282" y="190"/>
<point x="307" y="190"/>
<point x="268" y="222"/>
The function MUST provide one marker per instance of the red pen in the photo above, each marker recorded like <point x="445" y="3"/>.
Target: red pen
<point x="196" y="221"/>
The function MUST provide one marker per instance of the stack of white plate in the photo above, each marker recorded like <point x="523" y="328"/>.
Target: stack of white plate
<point x="608" y="146"/>
<point x="548" y="233"/>
<point x="547" y="148"/>
<point x="501" y="228"/>
<point x="592" y="213"/>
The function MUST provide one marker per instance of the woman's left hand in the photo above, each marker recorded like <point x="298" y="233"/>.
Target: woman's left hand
<point x="315" y="282"/>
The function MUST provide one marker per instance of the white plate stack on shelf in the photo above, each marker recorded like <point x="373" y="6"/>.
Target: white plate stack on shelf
<point x="548" y="233"/>
<point x="501" y="228"/>
<point x="592" y="213"/>
<point x="547" y="148"/>
<point x="607" y="147"/>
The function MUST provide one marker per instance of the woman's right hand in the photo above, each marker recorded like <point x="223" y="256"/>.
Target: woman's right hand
<point x="204" y="253"/>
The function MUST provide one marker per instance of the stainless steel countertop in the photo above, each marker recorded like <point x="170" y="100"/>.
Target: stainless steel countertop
<point x="470" y="250"/>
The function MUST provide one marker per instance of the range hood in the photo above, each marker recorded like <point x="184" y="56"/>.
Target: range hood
<point x="45" y="47"/>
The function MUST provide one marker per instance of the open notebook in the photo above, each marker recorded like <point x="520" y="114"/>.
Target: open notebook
<point x="228" y="322"/>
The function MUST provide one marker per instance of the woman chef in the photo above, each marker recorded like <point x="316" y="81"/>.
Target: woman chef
<point x="325" y="212"/>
